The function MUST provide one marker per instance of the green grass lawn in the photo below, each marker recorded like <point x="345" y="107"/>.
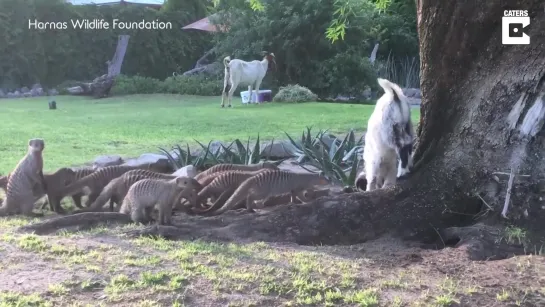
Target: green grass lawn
<point x="83" y="128"/>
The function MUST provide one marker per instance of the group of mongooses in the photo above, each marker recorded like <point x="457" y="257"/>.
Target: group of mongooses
<point x="231" y="186"/>
<point x="138" y="190"/>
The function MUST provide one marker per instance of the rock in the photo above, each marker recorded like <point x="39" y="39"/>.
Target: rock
<point x="367" y="94"/>
<point x="292" y="166"/>
<point x="36" y="86"/>
<point x="412" y="92"/>
<point x="10" y="95"/>
<point x="328" y="139"/>
<point x="16" y="94"/>
<point x="107" y="160"/>
<point x="3" y="94"/>
<point x="278" y="149"/>
<point x="36" y="91"/>
<point x="27" y="94"/>
<point x="187" y="171"/>
<point x="75" y="90"/>
<point x="157" y="162"/>
<point x="52" y="92"/>
<point x="25" y="89"/>
<point x="215" y="146"/>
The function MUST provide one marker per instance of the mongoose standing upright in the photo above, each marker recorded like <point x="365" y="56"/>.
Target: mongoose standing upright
<point x="22" y="180"/>
<point x="117" y="189"/>
<point x="235" y="167"/>
<point x="270" y="183"/>
<point x="145" y="194"/>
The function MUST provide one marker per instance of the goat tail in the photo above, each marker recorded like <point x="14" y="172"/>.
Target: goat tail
<point x="226" y="61"/>
<point x="391" y="88"/>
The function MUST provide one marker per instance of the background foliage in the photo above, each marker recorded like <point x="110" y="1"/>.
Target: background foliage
<point x="53" y="56"/>
<point x="295" y="30"/>
<point x="323" y="45"/>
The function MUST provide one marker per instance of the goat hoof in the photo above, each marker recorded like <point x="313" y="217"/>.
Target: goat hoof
<point x="229" y="106"/>
<point x="222" y="106"/>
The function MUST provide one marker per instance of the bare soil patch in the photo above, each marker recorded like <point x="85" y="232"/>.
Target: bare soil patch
<point x="101" y="266"/>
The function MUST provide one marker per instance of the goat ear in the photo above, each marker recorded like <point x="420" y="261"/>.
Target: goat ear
<point x="272" y="54"/>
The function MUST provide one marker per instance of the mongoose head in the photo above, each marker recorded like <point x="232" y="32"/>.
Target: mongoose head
<point x="35" y="145"/>
<point x="64" y="176"/>
<point x="190" y="194"/>
<point x="183" y="182"/>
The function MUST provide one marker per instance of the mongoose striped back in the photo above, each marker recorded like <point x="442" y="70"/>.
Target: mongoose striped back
<point x="239" y="167"/>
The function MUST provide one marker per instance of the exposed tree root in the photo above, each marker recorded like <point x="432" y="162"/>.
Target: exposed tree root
<point x="482" y="242"/>
<point x="81" y="221"/>
<point x="413" y="209"/>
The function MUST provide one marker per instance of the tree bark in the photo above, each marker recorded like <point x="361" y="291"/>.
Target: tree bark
<point x="482" y="112"/>
<point x="114" y="66"/>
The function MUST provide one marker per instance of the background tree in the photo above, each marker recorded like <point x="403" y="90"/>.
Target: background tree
<point x="294" y="31"/>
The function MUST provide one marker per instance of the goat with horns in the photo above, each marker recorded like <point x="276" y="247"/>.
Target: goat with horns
<point x="239" y="72"/>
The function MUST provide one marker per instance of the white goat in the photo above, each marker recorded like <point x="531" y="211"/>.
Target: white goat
<point x="239" y="72"/>
<point x="390" y="134"/>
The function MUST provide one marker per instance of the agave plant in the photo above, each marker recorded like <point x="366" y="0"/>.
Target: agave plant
<point x="338" y="161"/>
<point x="183" y="157"/>
<point x="243" y="154"/>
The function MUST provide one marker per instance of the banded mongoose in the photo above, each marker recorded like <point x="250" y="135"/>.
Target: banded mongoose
<point x="93" y="183"/>
<point x="58" y="181"/>
<point x="235" y="167"/>
<point x="117" y="189"/>
<point x="222" y="187"/>
<point x="305" y="196"/>
<point x="22" y="181"/>
<point x="204" y="181"/>
<point x="271" y="183"/>
<point x="144" y="195"/>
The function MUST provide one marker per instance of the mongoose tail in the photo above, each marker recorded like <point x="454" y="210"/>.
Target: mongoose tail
<point x="238" y="167"/>
<point x="269" y="183"/>
<point x="23" y="180"/>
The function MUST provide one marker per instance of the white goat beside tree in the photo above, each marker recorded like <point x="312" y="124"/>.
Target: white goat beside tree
<point x="390" y="134"/>
<point x="239" y="72"/>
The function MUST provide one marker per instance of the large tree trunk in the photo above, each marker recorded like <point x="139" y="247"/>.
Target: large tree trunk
<point x="472" y="115"/>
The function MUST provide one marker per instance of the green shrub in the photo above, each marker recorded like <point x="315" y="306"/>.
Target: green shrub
<point x="52" y="56"/>
<point x="194" y="85"/>
<point x="128" y="85"/>
<point x="294" y="93"/>
<point x="183" y="85"/>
